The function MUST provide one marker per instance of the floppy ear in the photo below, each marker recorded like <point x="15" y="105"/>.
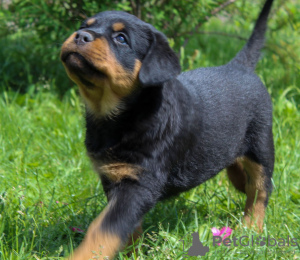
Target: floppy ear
<point x="160" y="63"/>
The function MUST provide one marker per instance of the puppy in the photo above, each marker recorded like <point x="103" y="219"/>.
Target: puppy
<point x="152" y="132"/>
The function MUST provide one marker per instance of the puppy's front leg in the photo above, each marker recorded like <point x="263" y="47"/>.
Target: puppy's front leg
<point x="129" y="201"/>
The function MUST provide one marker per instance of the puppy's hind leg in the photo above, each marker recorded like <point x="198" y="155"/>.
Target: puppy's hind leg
<point x="252" y="174"/>
<point x="258" y="189"/>
<point x="259" y="165"/>
<point x="250" y="177"/>
<point x="237" y="176"/>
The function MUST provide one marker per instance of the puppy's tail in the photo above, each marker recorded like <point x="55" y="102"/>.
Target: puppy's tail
<point x="250" y="54"/>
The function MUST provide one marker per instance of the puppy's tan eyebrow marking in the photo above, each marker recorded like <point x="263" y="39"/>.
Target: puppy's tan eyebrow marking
<point x="118" y="26"/>
<point x="91" y="21"/>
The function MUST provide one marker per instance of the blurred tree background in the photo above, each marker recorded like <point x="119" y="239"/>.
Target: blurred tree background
<point x="32" y="32"/>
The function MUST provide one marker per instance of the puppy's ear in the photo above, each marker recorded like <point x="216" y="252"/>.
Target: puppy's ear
<point x="160" y="63"/>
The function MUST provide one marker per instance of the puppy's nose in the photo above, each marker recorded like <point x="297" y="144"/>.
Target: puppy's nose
<point x="83" y="37"/>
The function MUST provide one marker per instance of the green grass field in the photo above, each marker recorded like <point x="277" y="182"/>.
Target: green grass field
<point x="48" y="187"/>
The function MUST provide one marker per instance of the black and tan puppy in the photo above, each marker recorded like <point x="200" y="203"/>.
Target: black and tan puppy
<point x="152" y="132"/>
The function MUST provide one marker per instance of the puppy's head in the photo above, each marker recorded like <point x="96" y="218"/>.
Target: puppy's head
<point x="114" y="53"/>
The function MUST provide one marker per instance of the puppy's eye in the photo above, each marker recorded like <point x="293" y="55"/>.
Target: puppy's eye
<point x="121" y="39"/>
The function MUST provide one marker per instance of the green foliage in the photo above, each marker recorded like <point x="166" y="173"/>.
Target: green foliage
<point x="32" y="31"/>
<point x="32" y="37"/>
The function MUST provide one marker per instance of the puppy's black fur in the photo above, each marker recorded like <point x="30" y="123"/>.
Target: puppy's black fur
<point x="152" y="133"/>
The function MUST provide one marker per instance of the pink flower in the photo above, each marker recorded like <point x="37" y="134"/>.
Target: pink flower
<point x="76" y="229"/>
<point x="225" y="230"/>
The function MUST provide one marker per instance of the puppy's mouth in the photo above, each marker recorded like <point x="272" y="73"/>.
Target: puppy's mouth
<point x="81" y="67"/>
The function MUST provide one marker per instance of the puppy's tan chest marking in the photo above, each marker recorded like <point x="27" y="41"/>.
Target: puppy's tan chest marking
<point x="118" y="171"/>
<point x="105" y="98"/>
<point x="100" y="101"/>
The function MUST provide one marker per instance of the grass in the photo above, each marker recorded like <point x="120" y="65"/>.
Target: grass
<point x="48" y="186"/>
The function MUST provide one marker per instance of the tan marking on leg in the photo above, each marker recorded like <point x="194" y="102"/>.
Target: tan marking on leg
<point x="91" y="21"/>
<point x="117" y="171"/>
<point x="98" y="244"/>
<point x="118" y="26"/>
<point x="256" y="194"/>
<point x="237" y="176"/>
<point x="254" y="214"/>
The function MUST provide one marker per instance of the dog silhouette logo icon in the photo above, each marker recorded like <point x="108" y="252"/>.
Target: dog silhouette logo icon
<point x="197" y="248"/>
